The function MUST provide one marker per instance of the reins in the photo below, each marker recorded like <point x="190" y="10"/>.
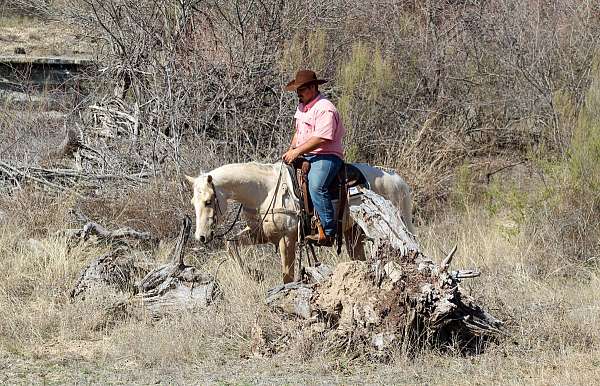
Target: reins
<point x="237" y="217"/>
<point x="310" y="251"/>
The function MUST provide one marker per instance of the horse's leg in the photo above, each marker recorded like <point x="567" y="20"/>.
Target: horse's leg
<point x="287" y="251"/>
<point x="354" y="238"/>
<point x="407" y="212"/>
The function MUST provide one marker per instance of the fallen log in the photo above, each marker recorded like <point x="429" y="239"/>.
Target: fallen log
<point x="107" y="275"/>
<point x="60" y="180"/>
<point x="164" y="289"/>
<point x="93" y="228"/>
<point x="398" y="297"/>
<point x="97" y="232"/>
<point x="176" y="286"/>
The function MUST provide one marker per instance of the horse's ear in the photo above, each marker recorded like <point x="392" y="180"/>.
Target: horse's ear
<point x="209" y="178"/>
<point x="191" y="180"/>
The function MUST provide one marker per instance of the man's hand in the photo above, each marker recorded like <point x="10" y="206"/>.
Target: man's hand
<point x="307" y="147"/>
<point x="290" y="155"/>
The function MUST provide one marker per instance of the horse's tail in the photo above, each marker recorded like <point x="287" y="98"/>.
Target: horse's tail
<point x="407" y="207"/>
<point x="404" y="202"/>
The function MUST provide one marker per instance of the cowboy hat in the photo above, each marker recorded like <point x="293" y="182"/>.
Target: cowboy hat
<point x="303" y="78"/>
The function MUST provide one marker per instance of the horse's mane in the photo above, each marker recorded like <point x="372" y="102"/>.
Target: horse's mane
<point x="263" y="167"/>
<point x="245" y="170"/>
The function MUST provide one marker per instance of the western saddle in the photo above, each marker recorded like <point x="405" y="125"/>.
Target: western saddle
<point x="310" y="224"/>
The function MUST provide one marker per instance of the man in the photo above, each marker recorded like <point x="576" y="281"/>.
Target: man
<point x="318" y="137"/>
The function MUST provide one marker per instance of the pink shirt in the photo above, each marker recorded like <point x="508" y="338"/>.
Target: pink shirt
<point x="320" y="118"/>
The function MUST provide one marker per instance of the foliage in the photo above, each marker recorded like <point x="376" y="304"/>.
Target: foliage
<point x="365" y="80"/>
<point x="584" y="154"/>
<point x="560" y="212"/>
<point x="433" y="89"/>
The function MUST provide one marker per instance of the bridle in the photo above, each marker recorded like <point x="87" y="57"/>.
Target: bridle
<point x="216" y="207"/>
<point x="215" y="203"/>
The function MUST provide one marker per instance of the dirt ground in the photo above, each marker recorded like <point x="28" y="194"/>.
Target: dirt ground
<point x="76" y="370"/>
<point x="502" y="367"/>
<point x="39" y="38"/>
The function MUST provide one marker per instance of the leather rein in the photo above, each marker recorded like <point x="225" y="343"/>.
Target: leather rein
<point x="270" y="209"/>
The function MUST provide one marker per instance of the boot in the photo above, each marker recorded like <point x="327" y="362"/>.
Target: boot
<point x="321" y="240"/>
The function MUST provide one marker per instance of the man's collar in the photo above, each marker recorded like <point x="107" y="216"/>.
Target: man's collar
<point x="305" y="108"/>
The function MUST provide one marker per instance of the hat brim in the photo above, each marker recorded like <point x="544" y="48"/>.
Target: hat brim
<point x="293" y="86"/>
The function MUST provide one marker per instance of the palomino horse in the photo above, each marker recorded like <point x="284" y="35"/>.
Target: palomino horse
<point x="271" y="209"/>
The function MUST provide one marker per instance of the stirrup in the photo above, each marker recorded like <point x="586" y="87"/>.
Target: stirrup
<point x="321" y="240"/>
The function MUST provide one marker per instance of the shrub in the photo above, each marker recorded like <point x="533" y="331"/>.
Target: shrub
<point x="364" y="82"/>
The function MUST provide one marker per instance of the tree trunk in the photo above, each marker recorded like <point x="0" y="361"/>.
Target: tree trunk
<point x="398" y="297"/>
<point x="165" y="289"/>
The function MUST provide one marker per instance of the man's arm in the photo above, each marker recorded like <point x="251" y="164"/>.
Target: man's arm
<point x="306" y="147"/>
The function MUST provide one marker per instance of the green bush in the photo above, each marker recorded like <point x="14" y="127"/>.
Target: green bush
<point x="364" y="80"/>
<point x="584" y="154"/>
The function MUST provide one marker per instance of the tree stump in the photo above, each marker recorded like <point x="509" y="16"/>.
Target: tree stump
<point x="176" y="286"/>
<point x="113" y="272"/>
<point x="397" y="298"/>
<point x="166" y="289"/>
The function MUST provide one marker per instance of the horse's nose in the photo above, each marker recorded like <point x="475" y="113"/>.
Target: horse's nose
<point x="202" y="239"/>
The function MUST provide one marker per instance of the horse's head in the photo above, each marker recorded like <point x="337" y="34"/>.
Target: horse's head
<point x="206" y="205"/>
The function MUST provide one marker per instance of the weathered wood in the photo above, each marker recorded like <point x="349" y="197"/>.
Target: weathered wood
<point x="165" y="289"/>
<point x="380" y="221"/>
<point x="92" y="228"/>
<point x="398" y="297"/>
<point x="59" y="180"/>
<point x="112" y="272"/>
<point x="176" y="286"/>
<point x="292" y="298"/>
<point x="318" y="273"/>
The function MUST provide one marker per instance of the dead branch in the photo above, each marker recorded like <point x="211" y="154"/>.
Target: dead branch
<point x="397" y="298"/>
<point x="176" y="286"/>
<point x="60" y="180"/>
<point x="162" y="290"/>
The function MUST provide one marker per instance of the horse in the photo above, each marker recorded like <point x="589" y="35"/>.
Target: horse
<point x="272" y="210"/>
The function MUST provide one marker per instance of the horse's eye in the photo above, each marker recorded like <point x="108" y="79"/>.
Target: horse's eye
<point x="207" y="202"/>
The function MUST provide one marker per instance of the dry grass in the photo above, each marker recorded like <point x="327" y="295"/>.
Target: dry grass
<point x="40" y="38"/>
<point x="548" y="299"/>
<point x="551" y="315"/>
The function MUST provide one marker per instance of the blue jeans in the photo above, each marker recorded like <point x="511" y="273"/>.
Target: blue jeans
<point x="323" y="169"/>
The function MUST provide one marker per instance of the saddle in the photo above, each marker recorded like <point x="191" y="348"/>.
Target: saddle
<point x="348" y="176"/>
